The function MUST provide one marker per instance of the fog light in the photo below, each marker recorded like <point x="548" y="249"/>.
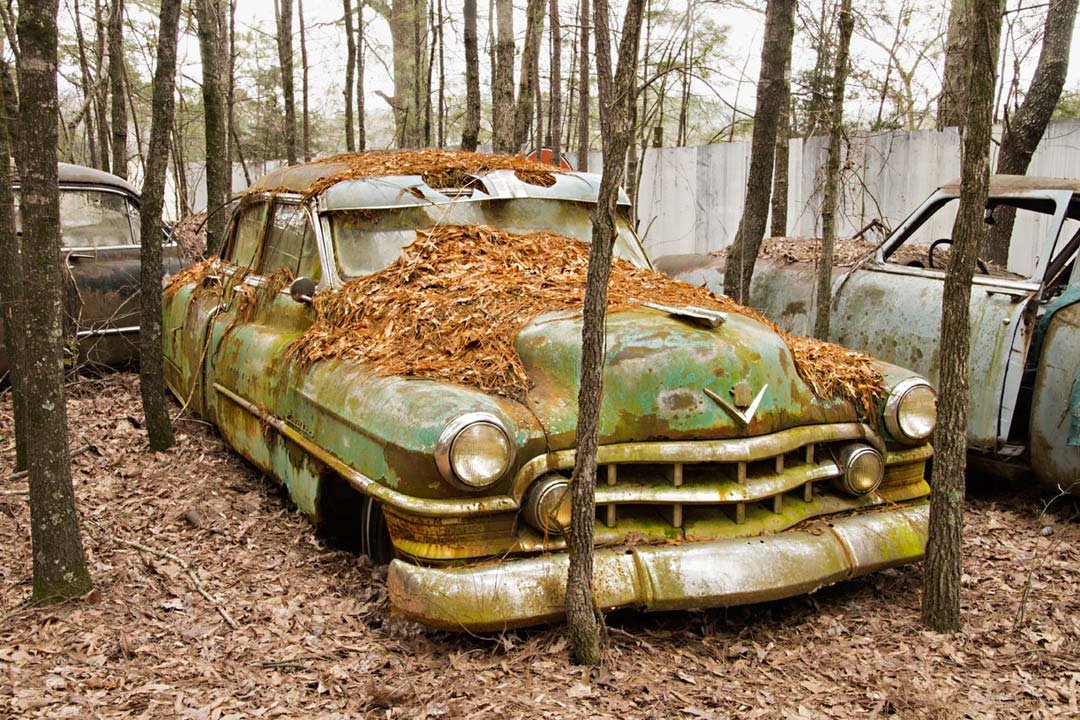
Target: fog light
<point x="547" y="505"/>
<point x="862" y="469"/>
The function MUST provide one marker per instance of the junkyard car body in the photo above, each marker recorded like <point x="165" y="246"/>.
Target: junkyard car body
<point x="695" y="507"/>
<point x="99" y="236"/>
<point x="1025" y="327"/>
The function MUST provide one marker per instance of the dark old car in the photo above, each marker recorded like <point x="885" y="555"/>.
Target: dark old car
<point x="725" y="478"/>
<point x="99" y="235"/>
<point x="1025" y="325"/>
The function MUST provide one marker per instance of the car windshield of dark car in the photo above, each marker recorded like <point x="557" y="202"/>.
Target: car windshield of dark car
<point x="93" y="219"/>
<point x="928" y="243"/>
<point x="369" y="240"/>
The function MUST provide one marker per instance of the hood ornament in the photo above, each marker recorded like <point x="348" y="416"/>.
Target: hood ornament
<point x="741" y="417"/>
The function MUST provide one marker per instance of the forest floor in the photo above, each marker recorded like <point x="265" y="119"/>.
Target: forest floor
<point x="272" y="622"/>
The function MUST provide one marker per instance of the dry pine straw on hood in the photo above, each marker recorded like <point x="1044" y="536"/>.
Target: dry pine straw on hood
<point x="451" y="306"/>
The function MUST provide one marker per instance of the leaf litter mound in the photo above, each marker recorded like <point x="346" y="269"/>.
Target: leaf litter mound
<point x="451" y="306"/>
<point x="440" y="169"/>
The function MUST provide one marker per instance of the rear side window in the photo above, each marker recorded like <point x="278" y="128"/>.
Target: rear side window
<point x="290" y="243"/>
<point x="249" y="225"/>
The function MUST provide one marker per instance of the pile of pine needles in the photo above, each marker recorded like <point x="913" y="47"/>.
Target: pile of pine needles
<point x="451" y="306"/>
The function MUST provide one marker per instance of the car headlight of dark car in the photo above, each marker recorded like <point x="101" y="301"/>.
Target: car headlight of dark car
<point x="474" y="451"/>
<point x="911" y="411"/>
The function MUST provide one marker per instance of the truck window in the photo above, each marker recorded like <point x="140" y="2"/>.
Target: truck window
<point x="290" y="243"/>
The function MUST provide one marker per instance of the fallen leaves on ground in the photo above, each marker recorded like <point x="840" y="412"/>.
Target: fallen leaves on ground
<point x="314" y="637"/>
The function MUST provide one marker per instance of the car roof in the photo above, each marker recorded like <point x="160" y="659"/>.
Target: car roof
<point x="1013" y="184"/>
<point x="404" y="188"/>
<point x="81" y="175"/>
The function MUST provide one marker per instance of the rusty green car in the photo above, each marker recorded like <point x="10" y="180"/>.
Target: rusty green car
<point x="724" y="479"/>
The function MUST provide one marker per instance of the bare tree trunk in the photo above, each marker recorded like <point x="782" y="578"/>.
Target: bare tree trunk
<point x="502" y="111"/>
<point x="441" y="135"/>
<point x="101" y="100"/>
<point x="779" y="200"/>
<point x="1025" y="129"/>
<point x="350" y="76"/>
<point x="775" y="56"/>
<point x="116" y="87"/>
<point x="426" y="99"/>
<point x="470" y="136"/>
<point x="88" y="91"/>
<point x="616" y="103"/>
<point x="304" y="95"/>
<point x="823" y="295"/>
<point x="688" y="56"/>
<point x="283" y="11"/>
<point x="583" y="89"/>
<point x="151" y="372"/>
<point x="411" y="81"/>
<point x="944" y="565"/>
<point x="555" y="93"/>
<point x="534" y="75"/>
<point x="209" y="24"/>
<point x="11" y="295"/>
<point x="230" y="99"/>
<point x="59" y="564"/>
<point x="954" y="81"/>
<point x="361" y="125"/>
<point x="534" y="25"/>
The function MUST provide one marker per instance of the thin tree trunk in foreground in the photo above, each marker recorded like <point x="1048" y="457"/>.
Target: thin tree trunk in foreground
<point x="206" y="14"/>
<point x="361" y="127"/>
<point x="151" y="377"/>
<point x="555" y="94"/>
<point x="823" y="295"/>
<point x="954" y="78"/>
<point x="116" y="88"/>
<point x="582" y="617"/>
<point x="779" y="201"/>
<point x="1025" y="129"/>
<point x="502" y="108"/>
<point x="11" y="295"/>
<point x="943" y="566"/>
<point x="470" y="136"/>
<point x="775" y="56"/>
<point x="350" y="73"/>
<point x="534" y="26"/>
<point x="305" y="140"/>
<point x="59" y="564"/>
<point x="583" y="90"/>
<point x="285" y="60"/>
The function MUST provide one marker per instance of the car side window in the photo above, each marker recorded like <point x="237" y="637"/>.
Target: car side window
<point x="290" y="243"/>
<point x="249" y="226"/>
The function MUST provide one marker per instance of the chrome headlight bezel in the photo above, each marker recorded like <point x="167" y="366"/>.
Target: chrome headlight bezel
<point x="848" y="457"/>
<point x="444" y="449"/>
<point x="894" y="407"/>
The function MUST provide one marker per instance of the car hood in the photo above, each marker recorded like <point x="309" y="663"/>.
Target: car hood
<point x="656" y="371"/>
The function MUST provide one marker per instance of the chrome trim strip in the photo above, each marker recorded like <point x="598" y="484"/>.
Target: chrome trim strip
<point x="513" y="593"/>
<point x="425" y="507"/>
<point x="108" y="331"/>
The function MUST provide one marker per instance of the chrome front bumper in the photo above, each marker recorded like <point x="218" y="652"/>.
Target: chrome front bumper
<point x="517" y="592"/>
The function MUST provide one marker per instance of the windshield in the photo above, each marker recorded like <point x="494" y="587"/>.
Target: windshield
<point x="368" y="240"/>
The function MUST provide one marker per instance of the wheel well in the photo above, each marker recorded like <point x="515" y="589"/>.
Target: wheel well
<point x="340" y="511"/>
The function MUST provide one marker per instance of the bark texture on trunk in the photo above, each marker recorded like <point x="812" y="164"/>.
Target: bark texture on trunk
<point x="954" y="79"/>
<point x="470" y="136"/>
<point x="555" y="94"/>
<point x="116" y="88"/>
<point x="151" y="371"/>
<point x="305" y="137"/>
<point x="350" y="75"/>
<point x="408" y="31"/>
<point x="285" y="62"/>
<point x="823" y="294"/>
<point x="1025" y="129"/>
<point x="59" y="564"/>
<point x="616" y="102"/>
<point x="502" y="111"/>
<point x="534" y="26"/>
<point x="779" y="200"/>
<point x="583" y="89"/>
<point x="361" y="125"/>
<point x="101" y="86"/>
<point x="11" y="294"/>
<point x="943" y="567"/>
<point x="775" y="56"/>
<point x="208" y="18"/>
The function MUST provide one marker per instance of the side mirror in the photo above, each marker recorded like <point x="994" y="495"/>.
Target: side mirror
<point x="302" y="290"/>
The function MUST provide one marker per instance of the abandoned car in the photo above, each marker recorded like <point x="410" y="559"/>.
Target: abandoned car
<point x="398" y="343"/>
<point x="1025" y="325"/>
<point x="99" y="237"/>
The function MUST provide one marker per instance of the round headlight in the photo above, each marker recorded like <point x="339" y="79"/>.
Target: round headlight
<point x="911" y="411"/>
<point x="474" y="450"/>
<point x="547" y="505"/>
<point x="862" y="469"/>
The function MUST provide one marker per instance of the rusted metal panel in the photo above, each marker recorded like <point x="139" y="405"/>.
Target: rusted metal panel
<point x="514" y="593"/>
<point x="1055" y="460"/>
